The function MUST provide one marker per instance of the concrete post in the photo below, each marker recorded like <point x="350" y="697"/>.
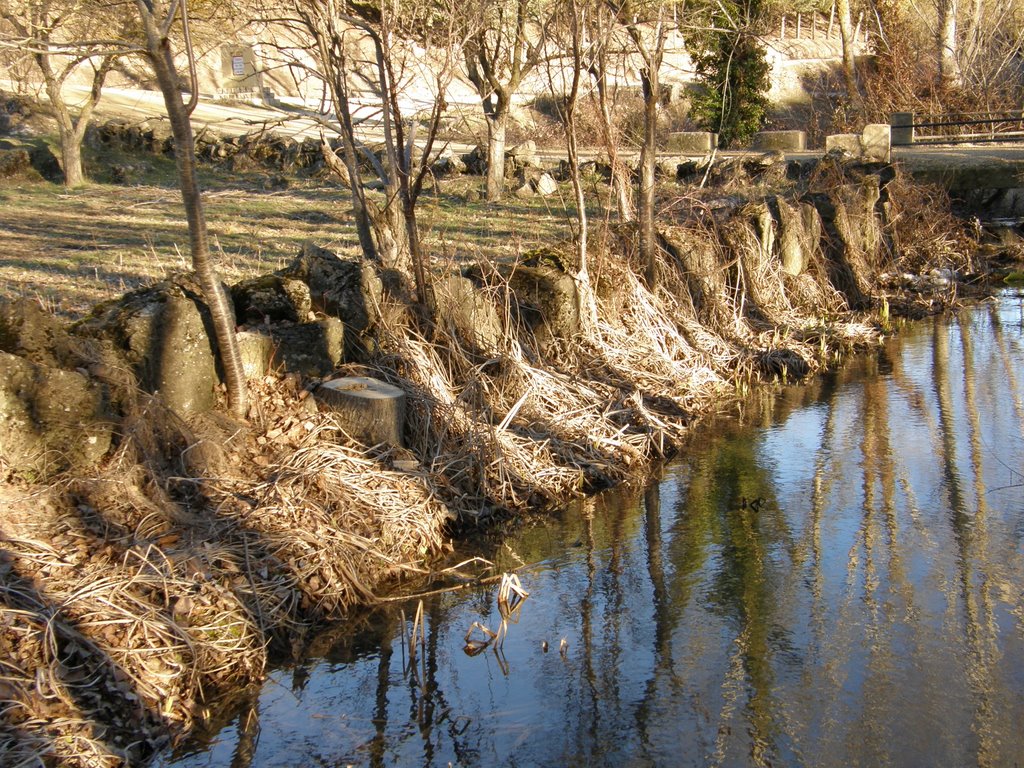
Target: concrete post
<point x="902" y="128"/>
<point x="876" y="143"/>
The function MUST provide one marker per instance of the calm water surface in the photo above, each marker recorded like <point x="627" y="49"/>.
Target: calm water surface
<point x="868" y="611"/>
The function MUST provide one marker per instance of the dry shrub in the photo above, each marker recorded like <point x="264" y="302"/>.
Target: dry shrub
<point x="483" y="455"/>
<point x="704" y="278"/>
<point x="924" y="234"/>
<point x="656" y="340"/>
<point x="751" y="237"/>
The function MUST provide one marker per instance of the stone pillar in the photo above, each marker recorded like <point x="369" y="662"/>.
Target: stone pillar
<point x="876" y="142"/>
<point x="902" y="124"/>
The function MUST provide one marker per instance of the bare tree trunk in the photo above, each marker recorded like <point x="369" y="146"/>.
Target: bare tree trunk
<point x="497" y="123"/>
<point x="652" y="52"/>
<point x="949" y="69"/>
<point x="160" y="56"/>
<point x="70" y="149"/>
<point x="849" y="63"/>
<point x="588" y="305"/>
<point x="71" y="131"/>
<point x="622" y="187"/>
<point x="648" y="155"/>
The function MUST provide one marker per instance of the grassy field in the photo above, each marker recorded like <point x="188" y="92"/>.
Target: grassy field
<point x="69" y="249"/>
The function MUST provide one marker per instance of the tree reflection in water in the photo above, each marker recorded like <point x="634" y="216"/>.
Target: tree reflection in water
<point x="867" y="609"/>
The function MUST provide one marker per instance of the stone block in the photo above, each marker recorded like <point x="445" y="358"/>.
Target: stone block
<point x="692" y="142"/>
<point x="845" y="143"/>
<point x="876" y="143"/>
<point x="787" y="141"/>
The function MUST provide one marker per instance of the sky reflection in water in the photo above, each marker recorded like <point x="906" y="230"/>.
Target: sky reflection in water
<point x="868" y="612"/>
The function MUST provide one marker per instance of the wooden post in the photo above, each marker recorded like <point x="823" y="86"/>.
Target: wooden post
<point x="799" y="20"/>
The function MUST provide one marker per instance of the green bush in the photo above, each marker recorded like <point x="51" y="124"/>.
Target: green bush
<point x="731" y="65"/>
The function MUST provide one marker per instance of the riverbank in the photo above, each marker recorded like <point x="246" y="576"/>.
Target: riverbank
<point x="138" y="586"/>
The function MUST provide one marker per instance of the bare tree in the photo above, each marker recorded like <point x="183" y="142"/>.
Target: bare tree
<point x="846" y="32"/>
<point x="157" y="18"/>
<point x="63" y="37"/>
<point x="504" y="42"/>
<point x="647" y="26"/>
<point x="601" y="29"/>
<point x="388" y="232"/>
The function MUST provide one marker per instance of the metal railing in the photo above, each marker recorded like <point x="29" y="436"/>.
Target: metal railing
<point x="956" y="128"/>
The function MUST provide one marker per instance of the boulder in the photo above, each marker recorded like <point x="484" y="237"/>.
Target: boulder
<point x="859" y="234"/>
<point x="668" y="167"/>
<point x="165" y="334"/>
<point x="545" y="185"/>
<point x="312" y="350"/>
<point x="523" y="155"/>
<point x="544" y="297"/>
<point x="799" y="234"/>
<point x="50" y="419"/>
<point x="601" y="167"/>
<point x="45" y="162"/>
<point x="29" y="332"/>
<point x="449" y="164"/>
<point x="346" y="287"/>
<point x="476" y="161"/>
<point x="468" y="312"/>
<point x="271" y="298"/>
<point x="15" y="162"/>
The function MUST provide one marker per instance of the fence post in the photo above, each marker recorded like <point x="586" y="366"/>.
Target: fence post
<point x="902" y="124"/>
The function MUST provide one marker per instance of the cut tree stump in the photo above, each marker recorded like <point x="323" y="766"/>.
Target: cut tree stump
<point x="369" y="410"/>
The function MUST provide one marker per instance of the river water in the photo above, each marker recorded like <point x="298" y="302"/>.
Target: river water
<point x="835" y="579"/>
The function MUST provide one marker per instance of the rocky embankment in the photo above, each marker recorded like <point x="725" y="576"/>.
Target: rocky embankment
<point x="156" y="551"/>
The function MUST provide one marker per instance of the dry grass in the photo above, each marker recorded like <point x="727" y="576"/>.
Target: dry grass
<point x="70" y="249"/>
